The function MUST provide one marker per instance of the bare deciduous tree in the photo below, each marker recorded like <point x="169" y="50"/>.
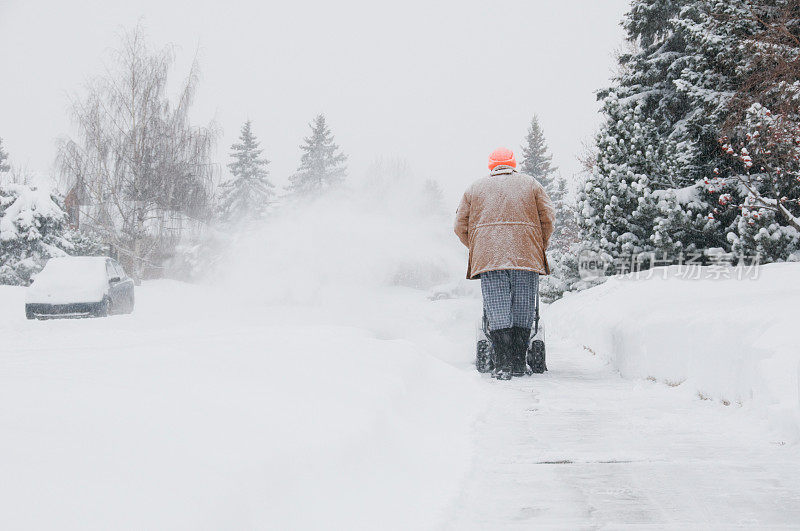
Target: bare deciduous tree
<point x="138" y="162"/>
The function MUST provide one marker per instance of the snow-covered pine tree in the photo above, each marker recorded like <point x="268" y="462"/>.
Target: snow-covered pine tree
<point x="664" y="113"/>
<point x="322" y="165"/>
<point x="562" y="254"/>
<point x="248" y="193"/>
<point x="566" y="231"/>
<point x="564" y="246"/>
<point x="536" y="158"/>
<point x="716" y="34"/>
<point x="32" y="229"/>
<point x="618" y="209"/>
<point x="537" y="161"/>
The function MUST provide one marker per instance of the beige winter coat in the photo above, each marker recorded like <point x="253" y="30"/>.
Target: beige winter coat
<point x="505" y="219"/>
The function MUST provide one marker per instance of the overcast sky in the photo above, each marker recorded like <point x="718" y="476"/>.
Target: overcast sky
<point x="438" y="83"/>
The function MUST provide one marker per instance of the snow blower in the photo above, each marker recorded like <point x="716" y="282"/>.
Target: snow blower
<point x="534" y="357"/>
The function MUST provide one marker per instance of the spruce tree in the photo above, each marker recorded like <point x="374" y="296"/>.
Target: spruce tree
<point x="563" y="248"/>
<point x="322" y="164"/>
<point x="33" y="228"/>
<point x="562" y="254"/>
<point x="619" y="208"/>
<point x="536" y="159"/>
<point x="565" y="231"/>
<point x="249" y="193"/>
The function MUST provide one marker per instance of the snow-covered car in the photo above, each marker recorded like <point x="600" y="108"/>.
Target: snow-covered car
<point x="79" y="286"/>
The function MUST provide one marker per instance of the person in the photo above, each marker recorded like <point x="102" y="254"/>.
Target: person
<point x="506" y="219"/>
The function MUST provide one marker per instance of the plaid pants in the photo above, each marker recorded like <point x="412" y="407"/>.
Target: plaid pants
<point x="508" y="297"/>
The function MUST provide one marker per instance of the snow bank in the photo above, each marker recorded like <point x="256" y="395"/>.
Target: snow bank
<point x="722" y="339"/>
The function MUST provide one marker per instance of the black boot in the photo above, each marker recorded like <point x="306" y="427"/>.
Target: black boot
<point x="503" y="344"/>
<point x="520" y="363"/>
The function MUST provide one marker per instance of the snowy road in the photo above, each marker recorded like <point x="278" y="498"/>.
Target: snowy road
<point x="581" y="448"/>
<point x="205" y="412"/>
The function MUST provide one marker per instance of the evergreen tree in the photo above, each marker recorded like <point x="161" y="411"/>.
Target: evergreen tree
<point x="248" y="193"/>
<point x="4" y="167"/>
<point x="33" y="228"/>
<point x="759" y="186"/>
<point x="562" y="252"/>
<point x="537" y="162"/>
<point x="565" y="230"/>
<point x="563" y="248"/>
<point x="664" y="115"/>
<point x="322" y="164"/>
<point x="536" y="159"/>
<point x="619" y="209"/>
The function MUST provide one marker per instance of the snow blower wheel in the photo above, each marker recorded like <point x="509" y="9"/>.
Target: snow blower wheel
<point x="483" y="356"/>
<point x="536" y="353"/>
<point x="536" y="356"/>
<point x="484" y="352"/>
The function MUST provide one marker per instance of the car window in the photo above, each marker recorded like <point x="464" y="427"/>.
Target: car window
<point x="120" y="271"/>
<point x="110" y="271"/>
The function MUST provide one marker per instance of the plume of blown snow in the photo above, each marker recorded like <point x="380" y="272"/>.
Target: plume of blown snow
<point x="345" y="245"/>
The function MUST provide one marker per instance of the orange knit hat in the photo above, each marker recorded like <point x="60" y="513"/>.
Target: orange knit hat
<point x="502" y="157"/>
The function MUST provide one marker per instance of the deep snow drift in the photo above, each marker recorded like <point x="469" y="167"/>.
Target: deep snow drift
<point x="727" y="339"/>
<point x="196" y="412"/>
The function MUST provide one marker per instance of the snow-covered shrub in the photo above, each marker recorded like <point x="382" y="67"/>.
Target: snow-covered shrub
<point x="33" y="228"/>
<point x="760" y="185"/>
<point x="83" y="243"/>
<point x="563" y="275"/>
